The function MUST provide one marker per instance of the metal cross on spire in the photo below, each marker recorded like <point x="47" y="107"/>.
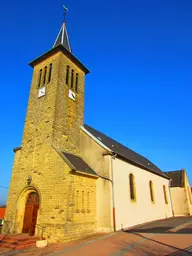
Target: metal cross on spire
<point x="65" y="12"/>
<point x="62" y="38"/>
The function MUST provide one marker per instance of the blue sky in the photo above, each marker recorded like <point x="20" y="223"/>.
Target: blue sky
<point x="140" y="86"/>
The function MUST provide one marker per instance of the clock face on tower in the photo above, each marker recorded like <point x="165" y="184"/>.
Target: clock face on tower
<point x="41" y="92"/>
<point x="72" y="95"/>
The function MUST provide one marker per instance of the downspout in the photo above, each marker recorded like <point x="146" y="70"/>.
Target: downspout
<point x="171" y="197"/>
<point x="113" y="194"/>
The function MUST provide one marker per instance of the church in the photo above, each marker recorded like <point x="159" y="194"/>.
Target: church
<point x="68" y="179"/>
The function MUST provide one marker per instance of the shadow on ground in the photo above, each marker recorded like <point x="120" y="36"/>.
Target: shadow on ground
<point x="149" y="230"/>
<point x="186" y="251"/>
<point x="178" y="251"/>
<point x="159" y="230"/>
<point x="163" y="226"/>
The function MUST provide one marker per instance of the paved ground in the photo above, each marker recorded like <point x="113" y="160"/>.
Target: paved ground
<point x="150" y="239"/>
<point x="163" y="226"/>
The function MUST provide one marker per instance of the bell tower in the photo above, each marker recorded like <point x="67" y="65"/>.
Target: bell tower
<point x="56" y="102"/>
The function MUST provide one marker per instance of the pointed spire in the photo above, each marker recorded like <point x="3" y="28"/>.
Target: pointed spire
<point x="63" y="38"/>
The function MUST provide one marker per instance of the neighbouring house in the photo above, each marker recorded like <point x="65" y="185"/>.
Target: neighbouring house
<point x="180" y="192"/>
<point x="68" y="178"/>
<point x="2" y="214"/>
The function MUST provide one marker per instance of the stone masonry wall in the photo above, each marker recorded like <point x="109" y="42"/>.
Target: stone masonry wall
<point x="55" y="118"/>
<point x="67" y="200"/>
<point x="69" y="114"/>
<point x="52" y="120"/>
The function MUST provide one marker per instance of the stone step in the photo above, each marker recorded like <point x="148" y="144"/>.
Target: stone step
<point x="7" y="245"/>
<point x="17" y="241"/>
<point x="21" y="247"/>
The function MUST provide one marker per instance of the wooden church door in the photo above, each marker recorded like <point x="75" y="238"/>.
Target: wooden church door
<point x="30" y="216"/>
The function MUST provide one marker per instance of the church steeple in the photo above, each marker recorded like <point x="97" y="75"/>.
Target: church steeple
<point x="56" y="102"/>
<point x="62" y="38"/>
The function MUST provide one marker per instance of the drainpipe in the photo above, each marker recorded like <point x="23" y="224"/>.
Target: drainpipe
<point x="171" y="197"/>
<point x="113" y="194"/>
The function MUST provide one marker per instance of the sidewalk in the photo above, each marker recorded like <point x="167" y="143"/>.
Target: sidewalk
<point x="135" y="243"/>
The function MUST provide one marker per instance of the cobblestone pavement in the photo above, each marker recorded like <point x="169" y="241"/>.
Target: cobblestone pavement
<point x="125" y="243"/>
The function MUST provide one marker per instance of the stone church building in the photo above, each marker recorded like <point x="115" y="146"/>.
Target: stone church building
<point x="69" y="179"/>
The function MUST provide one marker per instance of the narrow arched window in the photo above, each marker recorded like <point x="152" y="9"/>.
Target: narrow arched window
<point x="76" y="82"/>
<point x="165" y="194"/>
<point x="132" y="187"/>
<point x="189" y="193"/>
<point x="45" y="74"/>
<point x="40" y="75"/>
<point x="50" y="72"/>
<point x="151" y="191"/>
<point x="67" y="75"/>
<point x="88" y="199"/>
<point x="83" y="201"/>
<point x="72" y="78"/>
<point x="77" y="200"/>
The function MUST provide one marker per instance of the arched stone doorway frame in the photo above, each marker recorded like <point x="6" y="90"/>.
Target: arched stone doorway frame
<point x="21" y="202"/>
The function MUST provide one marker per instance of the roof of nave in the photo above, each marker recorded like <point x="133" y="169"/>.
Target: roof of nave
<point x="177" y="178"/>
<point x="125" y="153"/>
<point x="79" y="164"/>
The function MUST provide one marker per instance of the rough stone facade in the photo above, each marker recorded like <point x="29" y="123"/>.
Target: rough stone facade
<point x="67" y="199"/>
<point x="55" y="118"/>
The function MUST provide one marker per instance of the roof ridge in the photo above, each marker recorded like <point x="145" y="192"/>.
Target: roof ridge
<point x="174" y="171"/>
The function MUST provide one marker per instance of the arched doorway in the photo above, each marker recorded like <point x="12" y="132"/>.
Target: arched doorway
<point x="30" y="216"/>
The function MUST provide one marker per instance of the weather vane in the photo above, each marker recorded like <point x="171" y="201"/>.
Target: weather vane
<point x="65" y="12"/>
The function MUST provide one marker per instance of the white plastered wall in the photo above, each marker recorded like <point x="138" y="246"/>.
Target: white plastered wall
<point x="128" y="213"/>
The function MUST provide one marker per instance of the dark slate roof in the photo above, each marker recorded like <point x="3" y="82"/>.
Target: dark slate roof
<point x="61" y="44"/>
<point x="16" y="149"/>
<point x="79" y="164"/>
<point x="125" y="153"/>
<point x="56" y="49"/>
<point x="63" y="38"/>
<point x="177" y="178"/>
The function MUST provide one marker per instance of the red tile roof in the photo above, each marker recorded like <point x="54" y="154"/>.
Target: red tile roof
<point x="2" y="212"/>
